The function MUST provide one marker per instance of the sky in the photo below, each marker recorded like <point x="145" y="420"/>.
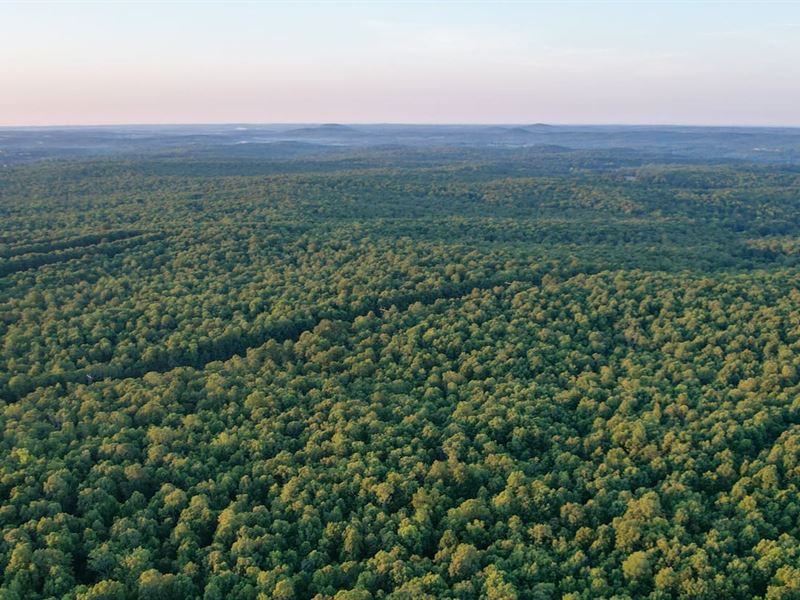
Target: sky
<point x="693" y="62"/>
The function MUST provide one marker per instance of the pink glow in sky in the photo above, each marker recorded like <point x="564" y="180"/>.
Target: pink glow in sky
<point x="567" y="62"/>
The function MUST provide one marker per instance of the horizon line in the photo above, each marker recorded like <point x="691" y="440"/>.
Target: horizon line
<point x="396" y="123"/>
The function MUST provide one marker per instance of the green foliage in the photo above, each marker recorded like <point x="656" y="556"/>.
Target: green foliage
<point x="477" y="379"/>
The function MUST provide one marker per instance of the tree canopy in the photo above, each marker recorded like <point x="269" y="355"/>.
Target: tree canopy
<point x="487" y="378"/>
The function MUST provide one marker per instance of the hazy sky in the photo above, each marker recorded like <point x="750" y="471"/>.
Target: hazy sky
<point x="454" y="62"/>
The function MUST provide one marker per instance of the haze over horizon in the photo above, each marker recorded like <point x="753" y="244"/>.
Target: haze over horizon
<point x="707" y="63"/>
<point x="287" y="124"/>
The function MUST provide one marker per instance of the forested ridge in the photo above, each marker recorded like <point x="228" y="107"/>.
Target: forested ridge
<point x="402" y="374"/>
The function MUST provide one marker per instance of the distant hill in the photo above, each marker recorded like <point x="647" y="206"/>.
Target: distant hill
<point x="518" y="131"/>
<point x="326" y="129"/>
<point x="336" y="127"/>
<point x="756" y="144"/>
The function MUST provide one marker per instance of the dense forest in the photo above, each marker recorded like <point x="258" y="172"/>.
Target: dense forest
<point x="400" y="373"/>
